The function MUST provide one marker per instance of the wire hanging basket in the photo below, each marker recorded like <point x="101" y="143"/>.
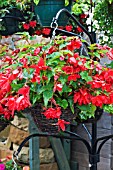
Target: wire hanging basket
<point x="49" y="125"/>
<point x="3" y="124"/>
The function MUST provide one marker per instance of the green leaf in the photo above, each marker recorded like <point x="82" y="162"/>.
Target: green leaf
<point x="66" y="2"/>
<point x="74" y="84"/>
<point x="85" y="76"/>
<point x="64" y="103"/>
<point x="49" y="75"/>
<point x="54" y="55"/>
<point x="67" y="52"/>
<point x="63" y="79"/>
<point x="47" y="87"/>
<point x="97" y="54"/>
<point x="28" y="73"/>
<point x="110" y="65"/>
<point x="46" y="96"/>
<point x="66" y="88"/>
<point x="15" y="86"/>
<point x="35" y="98"/>
<point x="87" y="111"/>
<point x="84" y="107"/>
<point x="36" y="1"/>
<point x="71" y="103"/>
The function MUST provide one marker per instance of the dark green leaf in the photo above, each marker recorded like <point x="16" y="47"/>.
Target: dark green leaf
<point x="85" y="76"/>
<point x="48" y="94"/>
<point x="71" y="103"/>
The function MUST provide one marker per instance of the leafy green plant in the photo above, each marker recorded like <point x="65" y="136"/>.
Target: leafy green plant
<point x="8" y="165"/>
<point x="56" y="75"/>
<point x="103" y="21"/>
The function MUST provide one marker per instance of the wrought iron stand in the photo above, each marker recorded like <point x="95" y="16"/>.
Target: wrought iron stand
<point x="93" y="149"/>
<point x="92" y="146"/>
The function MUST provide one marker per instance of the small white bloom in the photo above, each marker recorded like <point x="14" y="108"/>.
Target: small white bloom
<point x="105" y="38"/>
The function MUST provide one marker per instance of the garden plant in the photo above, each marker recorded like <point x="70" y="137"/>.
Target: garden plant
<point x="56" y="76"/>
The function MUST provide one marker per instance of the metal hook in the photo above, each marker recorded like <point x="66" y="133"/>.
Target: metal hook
<point x="15" y="164"/>
<point x="54" y="25"/>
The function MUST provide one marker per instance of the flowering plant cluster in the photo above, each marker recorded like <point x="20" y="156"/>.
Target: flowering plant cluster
<point x="103" y="21"/>
<point x="7" y="164"/>
<point x="58" y="76"/>
<point x="22" y="9"/>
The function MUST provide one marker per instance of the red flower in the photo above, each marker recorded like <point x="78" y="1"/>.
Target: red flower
<point x="32" y="24"/>
<point x="79" y="29"/>
<point x="73" y="77"/>
<point x="36" y="51"/>
<point x="1" y="109"/>
<point x="82" y="97"/>
<point x="61" y="124"/>
<point x="26" y="26"/>
<point x="52" y="113"/>
<point x="74" y="44"/>
<point x="5" y="84"/>
<point x="22" y="102"/>
<point x="38" y="32"/>
<point x="46" y="31"/>
<point x="8" y="59"/>
<point x="58" y="86"/>
<point x="51" y="50"/>
<point x="11" y="104"/>
<point x="24" y="91"/>
<point x="36" y="78"/>
<point x="99" y="100"/>
<point x="15" y="52"/>
<point x="83" y="15"/>
<point x="69" y="28"/>
<point x="44" y="78"/>
<point x="68" y="69"/>
<point x="110" y="54"/>
<point x="24" y="62"/>
<point x="7" y="114"/>
<point x="73" y="61"/>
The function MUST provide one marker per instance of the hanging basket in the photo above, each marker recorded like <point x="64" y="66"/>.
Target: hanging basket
<point x="3" y="125"/>
<point x="48" y="125"/>
<point x="11" y="22"/>
<point x="47" y="9"/>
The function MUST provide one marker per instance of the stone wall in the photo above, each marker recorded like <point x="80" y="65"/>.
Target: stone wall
<point x="80" y="153"/>
<point x="14" y="137"/>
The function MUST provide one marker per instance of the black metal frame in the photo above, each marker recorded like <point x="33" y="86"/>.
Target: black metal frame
<point x="92" y="146"/>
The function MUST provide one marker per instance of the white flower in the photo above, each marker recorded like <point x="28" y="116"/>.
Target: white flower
<point x="105" y="38"/>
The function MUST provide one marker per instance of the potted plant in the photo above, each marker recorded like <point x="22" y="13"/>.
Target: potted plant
<point x="103" y="21"/>
<point x="16" y="16"/>
<point x="45" y="10"/>
<point x="55" y="82"/>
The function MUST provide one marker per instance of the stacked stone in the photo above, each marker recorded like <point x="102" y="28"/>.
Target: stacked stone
<point x="17" y="135"/>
